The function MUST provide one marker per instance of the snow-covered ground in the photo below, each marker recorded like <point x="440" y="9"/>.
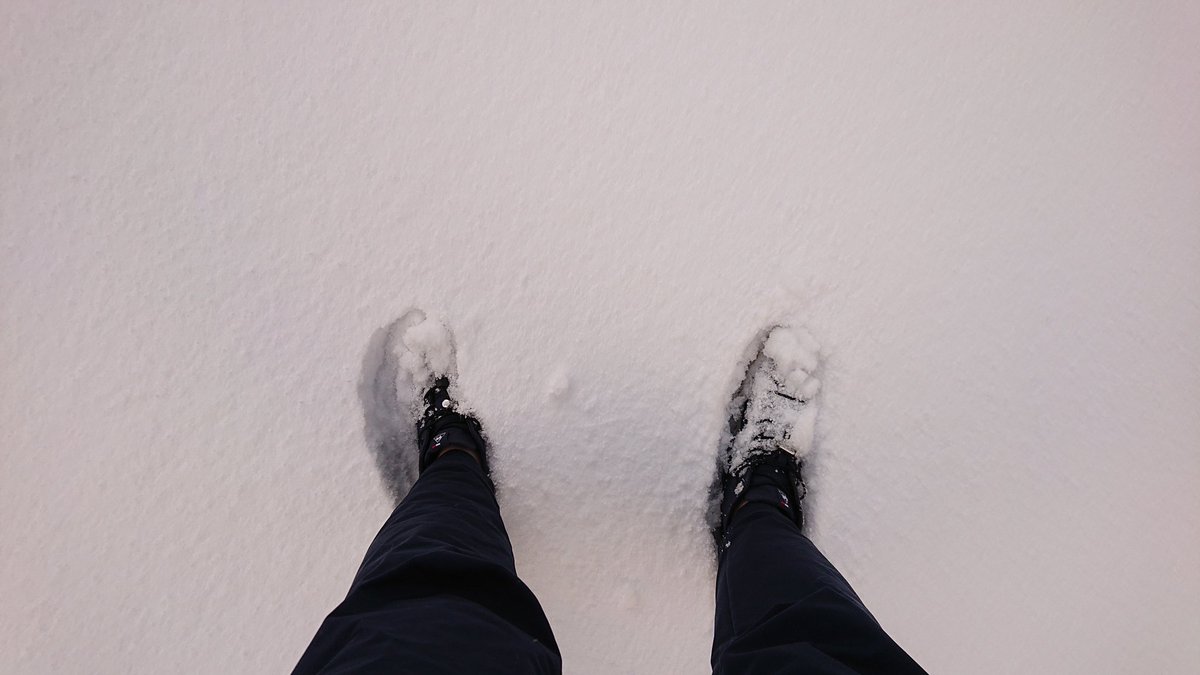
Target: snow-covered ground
<point x="987" y="214"/>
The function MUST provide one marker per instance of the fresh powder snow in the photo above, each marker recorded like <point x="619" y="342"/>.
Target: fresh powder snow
<point x="214" y="217"/>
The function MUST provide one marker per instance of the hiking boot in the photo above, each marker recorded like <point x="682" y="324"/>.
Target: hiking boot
<point x="771" y="426"/>
<point x="442" y="427"/>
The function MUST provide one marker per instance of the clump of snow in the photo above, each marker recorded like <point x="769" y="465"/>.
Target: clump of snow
<point x="558" y="386"/>
<point x="795" y="356"/>
<point x="428" y="351"/>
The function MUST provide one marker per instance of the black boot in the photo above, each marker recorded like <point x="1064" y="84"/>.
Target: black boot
<point x="441" y="427"/>
<point x="768" y="477"/>
<point x="771" y="428"/>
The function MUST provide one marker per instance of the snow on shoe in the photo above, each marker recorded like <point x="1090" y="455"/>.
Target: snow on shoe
<point x="424" y="351"/>
<point x="402" y="361"/>
<point x="774" y="408"/>
<point x="777" y="397"/>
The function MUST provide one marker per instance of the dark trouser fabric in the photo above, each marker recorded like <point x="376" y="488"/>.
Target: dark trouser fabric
<point x="438" y="590"/>
<point x="783" y="608"/>
<point x="438" y="593"/>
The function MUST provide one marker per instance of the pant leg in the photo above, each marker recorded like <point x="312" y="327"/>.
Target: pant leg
<point x="783" y="607"/>
<point x="438" y="590"/>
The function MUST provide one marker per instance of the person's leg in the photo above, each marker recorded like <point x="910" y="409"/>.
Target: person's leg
<point x="438" y="590"/>
<point x="783" y="607"/>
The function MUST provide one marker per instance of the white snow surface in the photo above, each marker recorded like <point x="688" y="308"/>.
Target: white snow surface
<point x="988" y="215"/>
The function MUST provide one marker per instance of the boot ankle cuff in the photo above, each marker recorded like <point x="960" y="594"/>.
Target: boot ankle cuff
<point x="766" y="494"/>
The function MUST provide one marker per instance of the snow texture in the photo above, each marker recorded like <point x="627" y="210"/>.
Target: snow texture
<point x="987" y="214"/>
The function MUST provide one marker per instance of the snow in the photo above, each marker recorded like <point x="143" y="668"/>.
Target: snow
<point x="987" y="216"/>
<point x="429" y="351"/>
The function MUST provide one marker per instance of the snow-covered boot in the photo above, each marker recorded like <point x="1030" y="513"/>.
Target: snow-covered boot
<point x="409" y="393"/>
<point x="442" y="426"/>
<point x="771" y="426"/>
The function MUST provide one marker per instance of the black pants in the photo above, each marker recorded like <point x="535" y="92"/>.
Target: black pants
<point x="438" y="593"/>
